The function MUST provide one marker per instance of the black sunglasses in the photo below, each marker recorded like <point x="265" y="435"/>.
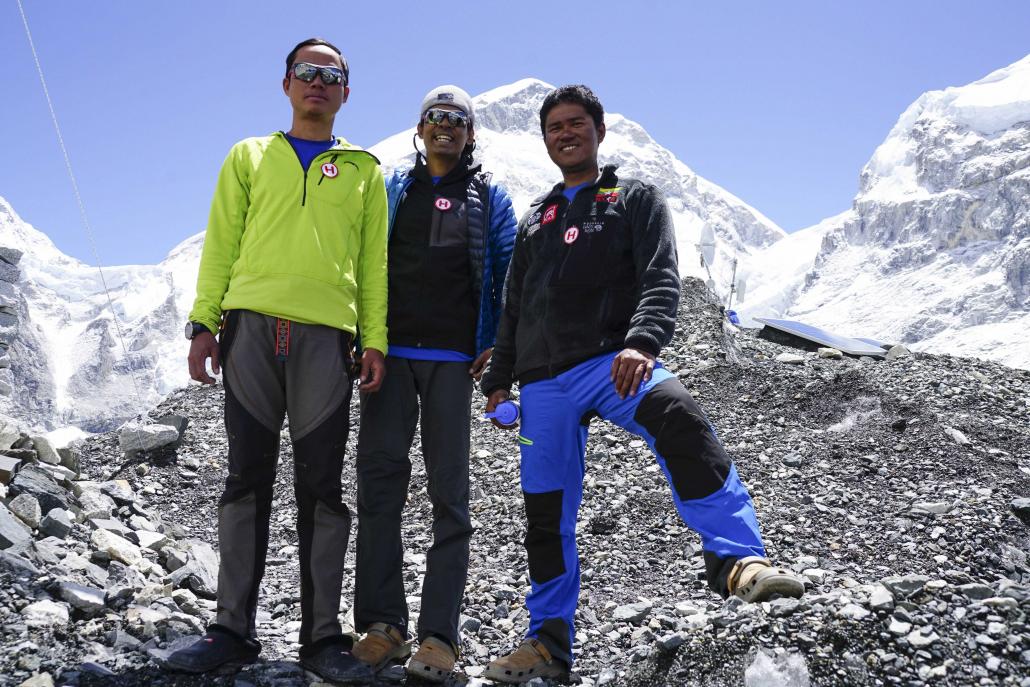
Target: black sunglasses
<point x="455" y="118"/>
<point x="307" y="72"/>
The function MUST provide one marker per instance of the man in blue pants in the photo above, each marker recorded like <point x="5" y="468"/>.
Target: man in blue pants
<point x="591" y="299"/>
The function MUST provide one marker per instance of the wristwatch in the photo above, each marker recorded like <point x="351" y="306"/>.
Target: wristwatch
<point x="195" y="328"/>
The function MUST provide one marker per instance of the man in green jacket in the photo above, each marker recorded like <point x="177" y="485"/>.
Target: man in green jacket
<point x="294" y="263"/>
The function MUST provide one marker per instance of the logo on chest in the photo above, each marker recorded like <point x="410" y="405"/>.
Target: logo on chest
<point x="592" y="227"/>
<point x="549" y="214"/>
<point x="571" y="234"/>
<point x="329" y="170"/>
<point x="442" y="204"/>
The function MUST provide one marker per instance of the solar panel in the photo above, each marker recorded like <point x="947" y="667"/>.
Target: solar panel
<point x="844" y="344"/>
<point x="876" y="342"/>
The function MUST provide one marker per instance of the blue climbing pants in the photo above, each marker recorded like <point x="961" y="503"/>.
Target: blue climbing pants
<point x="706" y="490"/>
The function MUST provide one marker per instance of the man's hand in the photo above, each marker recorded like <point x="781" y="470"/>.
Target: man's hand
<point x="373" y="370"/>
<point x="631" y="367"/>
<point x="479" y="364"/>
<point x="202" y="347"/>
<point x="495" y="399"/>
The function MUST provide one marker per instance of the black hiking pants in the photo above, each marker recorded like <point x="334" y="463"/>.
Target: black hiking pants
<point x="273" y="368"/>
<point x="387" y="429"/>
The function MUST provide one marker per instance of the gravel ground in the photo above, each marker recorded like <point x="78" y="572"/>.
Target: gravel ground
<point x="894" y="487"/>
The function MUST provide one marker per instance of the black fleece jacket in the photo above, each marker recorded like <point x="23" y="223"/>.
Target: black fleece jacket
<point x="588" y="277"/>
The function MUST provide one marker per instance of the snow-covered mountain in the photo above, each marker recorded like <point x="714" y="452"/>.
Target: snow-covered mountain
<point x="935" y="251"/>
<point x="80" y="374"/>
<point x="74" y="369"/>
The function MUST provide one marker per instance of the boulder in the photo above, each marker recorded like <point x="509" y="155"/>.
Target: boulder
<point x="632" y="613"/>
<point x="26" y="507"/>
<point x="89" y="600"/>
<point x="138" y="437"/>
<point x="200" y="572"/>
<point x="45" y="450"/>
<point x="40" y="483"/>
<point x="45" y="613"/>
<point x="17" y="566"/>
<point x="14" y="534"/>
<point x="56" y="523"/>
<point x="119" y="548"/>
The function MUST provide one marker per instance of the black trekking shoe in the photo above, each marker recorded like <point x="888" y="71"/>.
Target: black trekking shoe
<point x="333" y="661"/>
<point x="219" y="647"/>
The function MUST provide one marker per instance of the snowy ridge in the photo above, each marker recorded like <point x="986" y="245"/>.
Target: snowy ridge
<point x="935" y="252"/>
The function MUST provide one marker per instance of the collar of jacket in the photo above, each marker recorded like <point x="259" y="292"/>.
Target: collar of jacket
<point x="460" y="171"/>
<point x="341" y="145"/>
<point x="607" y="177"/>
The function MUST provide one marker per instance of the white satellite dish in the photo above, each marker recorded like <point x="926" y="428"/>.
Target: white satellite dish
<point x="741" y="288"/>
<point x="707" y="244"/>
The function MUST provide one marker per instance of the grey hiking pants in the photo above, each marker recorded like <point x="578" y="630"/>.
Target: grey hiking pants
<point x="388" y="419"/>
<point x="309" y="379"/>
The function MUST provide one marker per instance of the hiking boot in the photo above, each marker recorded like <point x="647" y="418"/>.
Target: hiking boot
<point x="756" y="579"/>
<point x="219" y="647"/>
<point x="530" y="660"/>
<point x="382" y="644"/>
<point x="333" y="661"/>
<point x="434" y="660"/>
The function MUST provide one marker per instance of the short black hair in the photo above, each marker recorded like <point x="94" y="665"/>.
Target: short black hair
<point x="577" y="94"/>
<point x="317" y="41"/>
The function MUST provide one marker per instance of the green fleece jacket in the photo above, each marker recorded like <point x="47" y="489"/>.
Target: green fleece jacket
<point x="304" y="245"/>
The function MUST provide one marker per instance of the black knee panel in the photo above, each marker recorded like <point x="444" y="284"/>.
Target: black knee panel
<point x="543" y="536"/>
<point x="318" y="458"/>
<point x="696" y="460"/>
<point x="253" y="453"/>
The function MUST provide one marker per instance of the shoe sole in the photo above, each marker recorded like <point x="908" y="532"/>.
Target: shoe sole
<point x="511" y="677"/>
<point x="416" y="668"/>
<point x="347" y="680"/>
<point x="231" y="666"/>
<point x="772" y="582"/>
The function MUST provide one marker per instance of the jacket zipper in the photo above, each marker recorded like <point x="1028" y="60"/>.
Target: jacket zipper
<point x="304" y="195"/>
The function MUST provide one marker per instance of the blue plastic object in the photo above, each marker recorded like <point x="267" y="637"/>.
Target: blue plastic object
<point x="507" y="413"/>
<point x="732" y="316"/>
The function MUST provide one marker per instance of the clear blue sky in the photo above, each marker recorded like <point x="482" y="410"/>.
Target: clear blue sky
<point x="781" y="103"/>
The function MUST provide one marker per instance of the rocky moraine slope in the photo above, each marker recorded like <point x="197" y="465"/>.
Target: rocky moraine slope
<point x="896" y="488"/>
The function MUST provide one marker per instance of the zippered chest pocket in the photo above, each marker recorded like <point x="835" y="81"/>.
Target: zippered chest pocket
<point x="591" y="248"/>
<point x="449" y="227"/>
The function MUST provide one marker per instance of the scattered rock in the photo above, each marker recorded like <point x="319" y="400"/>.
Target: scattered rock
<point x="632" y="613"/>
<point x="26" y="507"/>
<point x="137" y="437"/>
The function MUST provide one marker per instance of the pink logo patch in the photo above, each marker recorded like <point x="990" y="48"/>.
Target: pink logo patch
<point x="549" y="214"/>
<point x="443" y="205"/>
<point x="571" y="234"/>
<point x="329" y="169"/>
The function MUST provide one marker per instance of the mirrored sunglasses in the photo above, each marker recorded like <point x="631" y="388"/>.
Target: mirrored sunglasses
<point x="455" y="118"/>
<point x="307" y="72"/>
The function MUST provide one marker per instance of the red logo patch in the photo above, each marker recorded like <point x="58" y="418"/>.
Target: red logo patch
<point x="571" y="234"/>
<point x="443" y="205"/>
<point x="549" y="214"/>
<point x="329" y="169"/>
<point x="607" y="197"/>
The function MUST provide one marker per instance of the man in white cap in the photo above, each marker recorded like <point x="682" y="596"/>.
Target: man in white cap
<point x="451" y="233"/>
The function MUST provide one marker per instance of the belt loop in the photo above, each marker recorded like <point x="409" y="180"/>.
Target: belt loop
<point x="282" y="339"/>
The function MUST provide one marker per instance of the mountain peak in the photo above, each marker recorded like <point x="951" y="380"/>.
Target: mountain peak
<point x="515" y="106"/>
